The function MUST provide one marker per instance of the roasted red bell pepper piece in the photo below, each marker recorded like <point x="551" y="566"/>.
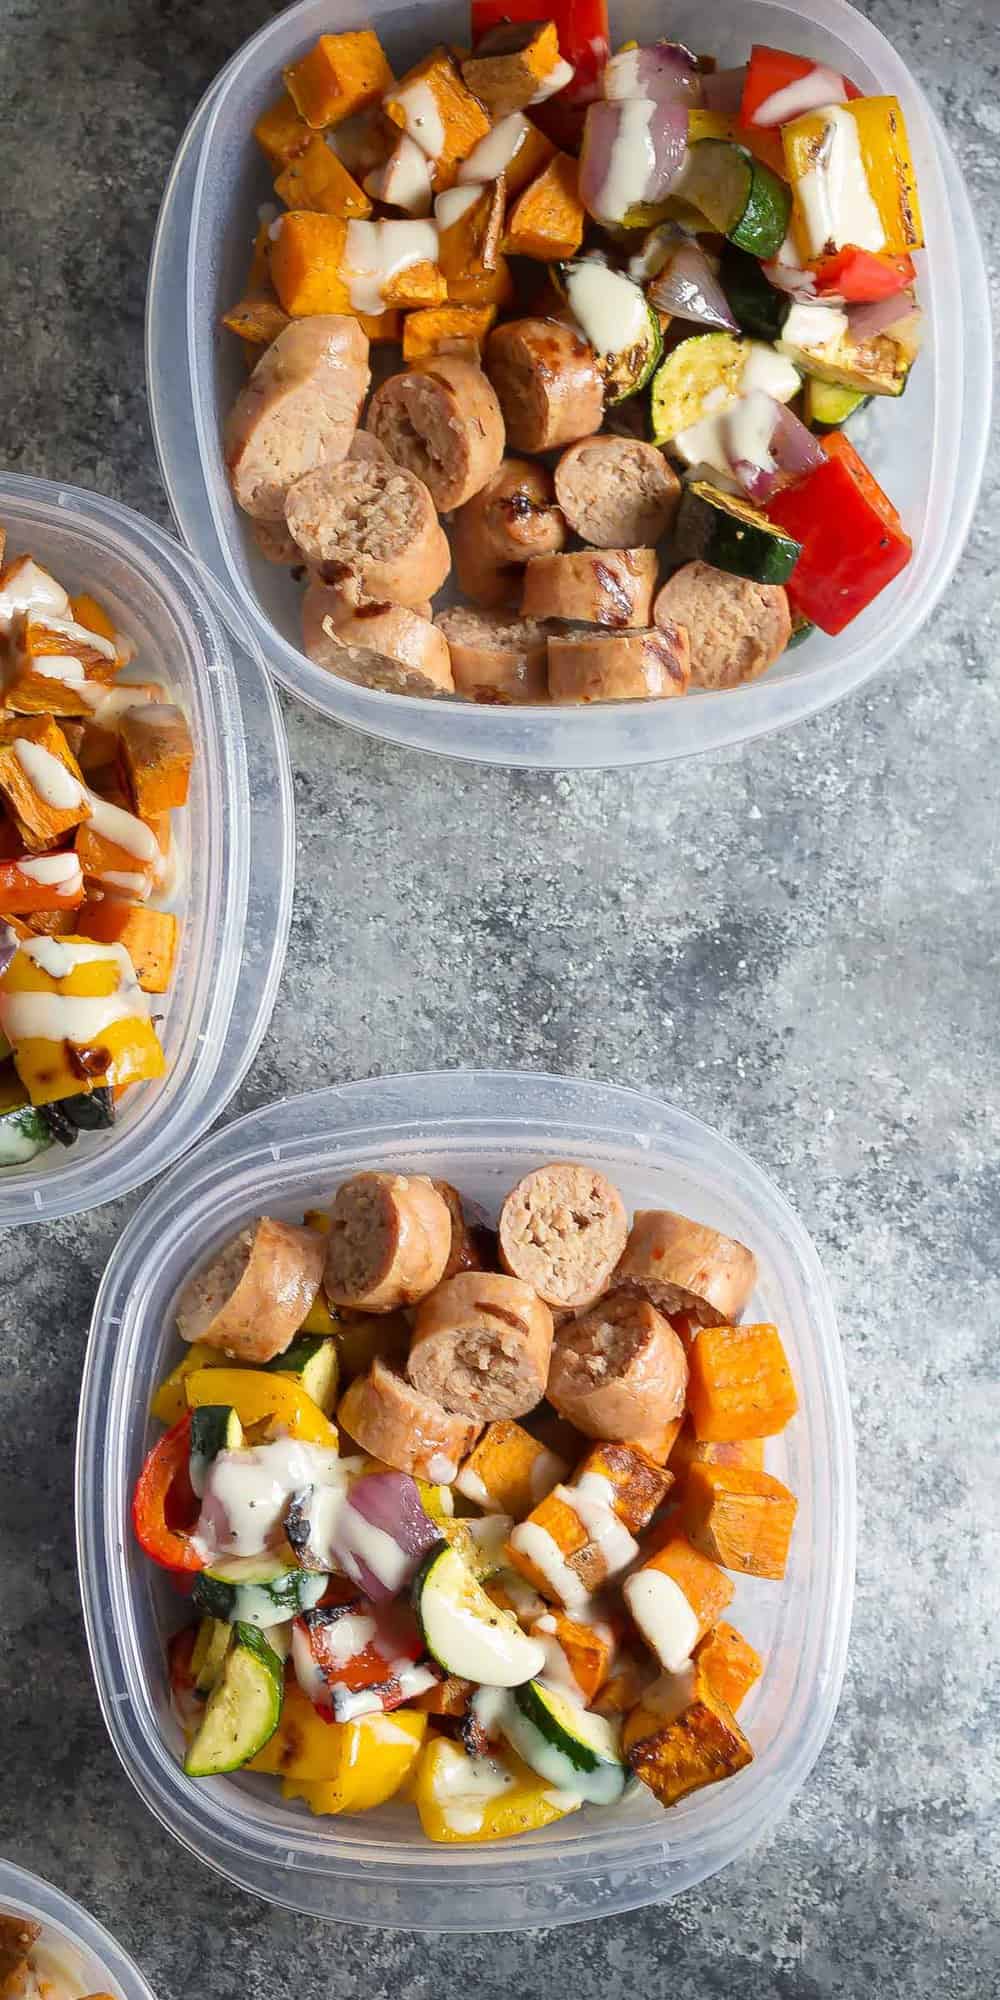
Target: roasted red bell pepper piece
<point x="853" y="541"/>
<point x="584" y="41"/>
<point x="771" y="70"/>
<point x="862" y="276"/>
<point x="164" y="1506"/>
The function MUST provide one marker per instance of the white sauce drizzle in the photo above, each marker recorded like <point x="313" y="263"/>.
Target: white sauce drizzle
<point x="26" y="586"/>
<point x="441" y="1470"/>
<point x="611" y="310"/>
<point x="247" y="1492"/>
<point x="377" y="251"/>
<point x="465" y="1786"/>
<point x="631" y="162"/>
<point x="807" y="93"/>
<point x="545" y="1474"/>
<point x="561" y="74"/>
<point x="57" y="667"/>
<point x="68" y="628"/>
<point x="58" y="958"/>
<point x="664" y="1617"/>
<point x="809" y="327"/>
<point x="493" y="155"/>
<point x="471" y="1487"/>
<point x="591" y="1501"/>
<point x="424" y="122"/>
<point x="455" y="202"/>
<point x="835" y="200"/>
<point x="122" y="829"/>
<point x="52" y="868"/>
<point x="359" y="1542"/>
<point x="545" y="1555"/>
<point x="48" y="775"/>
<point x="405" y="179"/>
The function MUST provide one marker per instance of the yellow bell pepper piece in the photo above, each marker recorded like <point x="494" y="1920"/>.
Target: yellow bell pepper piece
<point x="453" y="1807"/>
<point x="319" y="1318"/>
<point x="883" y="150"/>
<point x="45" y="1065"/>
<point x="340" y="1766"/>
<point x="436" y="1501"/>
<point x="170" y="1403"/>
<point x="258" y="1397"/>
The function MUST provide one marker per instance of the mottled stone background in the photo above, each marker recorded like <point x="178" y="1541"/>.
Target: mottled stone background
<point x="797" y="941"/>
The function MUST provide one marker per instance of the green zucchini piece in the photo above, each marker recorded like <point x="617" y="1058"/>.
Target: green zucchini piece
<point x="827" y="406"/>
<point x="211" y="1645"/>
<point x="464" y="1631"/>
<point x="214" y="1428"/>
<point x="614" y="315"/>
<point x="243" y="1709"/>
<point x="737" y="194"/>
<point x="757" y="306"/>
<point x="879" y="366"/>
<point x="730" y="534"/>
<point x="24" y="1133"/>
<point x="565" y="1744"/>
<point x="702" y="373"/>
<point x="802" y="629"/>
<point x="311" y="1360"/>
<point x="256" y="1590"/>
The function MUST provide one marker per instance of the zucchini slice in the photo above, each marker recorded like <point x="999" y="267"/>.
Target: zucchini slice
<point x="565" y="1744"/>
<point x="214" y="1428"/>
<point x="730" y="534"/>
<point x="757" y="306"/>
<point x="701" y="376"/>
<point x="879" y="366"/>
<point x="827" y="406"/>
<point x="802" y="629"/>
<point x="464" y="1631"/>
<point x="737" y="194"/>
<point x="256" y="1590"/>
<point x="313" y="1362"/>
<point x="614" y="315"/>
<point x="243" y="1709"/>
<point x="24" y="1132"/>
<point x="210" y="1648"/>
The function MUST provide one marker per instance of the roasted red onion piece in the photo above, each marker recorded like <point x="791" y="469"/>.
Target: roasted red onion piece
<point x="632" y="153"/>
<point x="389" y="1503"/>
<point x="882" y="315"/>
<point x="767" y="446"/>
<point x="664" y="71"/>
<point x="688" y="288"/>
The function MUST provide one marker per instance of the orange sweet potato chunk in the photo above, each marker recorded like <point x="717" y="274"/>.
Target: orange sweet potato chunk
<point x="281" y="133"/>
<point x="156" y="752"/>
<point x="342" y="74"/>
<point x="461" y="119"/>
<point x="315" y="178"/>
<point x="446" y="330"/>
<point x="307" y="260"/>
<point x="739" y="1384"/>
<point x="149" y="936"/>
<point x="740" y="1518"/>
<point x="38" y="819"/>
<point x="698" y="1747"/>
<point x="547" y="220"/>
<point x="730" y="1664"/>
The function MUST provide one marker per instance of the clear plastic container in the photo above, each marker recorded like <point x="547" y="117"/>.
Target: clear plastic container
<point x="929" y="454"/>
<point x="89" y="1951"/>
<point x="481" y="1131"/>
<point x="237" y="837"/>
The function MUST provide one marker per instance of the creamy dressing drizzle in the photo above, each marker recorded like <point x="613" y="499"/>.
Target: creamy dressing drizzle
<point x="545" y="1555"/>
<point x="58" y="667"/>
<point x="473" y="1488"/>
<point x="246" y="1494"/>
<point x="121" y="828"/>
<point x="493" y="155"/>
<point x="809" y="326"/>
<point x="591" y="1501"/>
<point x="561" y="74"/>
<point x="48" y="775"/>
<point x="545" y="1474"/>
<point x="26" y="586"/>
<point x="424" y="122"/>
<point x="52" y="868"/>
<point x="68" y="628"/>
<point x="377" y="251"/>
<point x="455" y="202"/>
<point x="835" y="200"/>
<point x="807" y="93"/>
<point x="664" y="1617"/>
<point x="611" y="310"/>
<point x="405" y="179"/>
<point x="631" y="162"/>
<point x="465" y="1786"/>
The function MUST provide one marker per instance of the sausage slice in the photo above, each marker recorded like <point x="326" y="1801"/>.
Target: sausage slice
<point x="389" y="1241"/>
<point x="514" y="515"/>
<point x="737" y="628"/>
<point x="591" y="586"/>
<point x="563" y="1229"/>
<point x="275" y="544"/>
<point x="481" y="1344"/>
<point x="298" y="411"/>
<point x="253" y="1297"/>
<point x="373" y="524"/>
<point x="495" y="656"/>
<point x="547" y="381"/>
<point x="617" y="492"/>
<point x="618" y="666"/>
<point x="682" y="1266"/>
<point x="473" y="1243"/>
<point x="411" y="653"/>
<point x="443" y="422"/>
<point x="620" y="1372"/>
<point x="389" y="1418"/>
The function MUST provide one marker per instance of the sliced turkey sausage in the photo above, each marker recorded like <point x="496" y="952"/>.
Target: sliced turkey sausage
<point x="253" y="1297"/>
<point x="618" y="666"/>
<point x="371" y="523"/>
<point x="442" y="421"/>
<point x="682" y="1266"/>
<point x="389" y="1418"/>
<point x="473" y="1243"/>
<point x="495" y="656"/>
<point x="737" y="628"/>
<point x="591" y="586"/>
<point x="563" y="1229"/>
<point x="514" y="515"/>
<point x="481" y="1344"/>
<point x="298" y="411"/>
<point x="335" y="634"/>
<point x="389" y="1241"/>
<point x="547" y="381"/>
<point x="617" y="492"/>
<point x="276" y="546"/>
<point x="620" y="1372"/>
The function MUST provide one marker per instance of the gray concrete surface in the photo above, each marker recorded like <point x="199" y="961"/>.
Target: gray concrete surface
<point x="797" y="941"/>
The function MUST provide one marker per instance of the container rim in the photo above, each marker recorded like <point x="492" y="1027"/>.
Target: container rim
<point x="625" y="1865"/>
<point x="32" y="1896"/>
<point x="567" y="738"/>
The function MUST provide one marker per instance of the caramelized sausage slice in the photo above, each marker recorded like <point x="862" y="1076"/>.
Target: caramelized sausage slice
<point x="442" y="421"/>
<point x="389" y="1418"/>
<point x="547" y="381"/>
<point x="409" y="654"/>
<point x="591" y="586"/>
<point x="620" y="1372"/>
<point x="253" y="1297"/>
<point x="389" y="1241"/>
<point x="373" y="524"/>
<point x="298" y="411"/>
<point x="496" y="656"/>
<point x="617" y="492"/>
<point x="593" y="665"/>
<point x="563" y="1229"/>
<point x="737" y="628"/>
<point x="682" y="1266"/>
<point x="481" y="1344"/>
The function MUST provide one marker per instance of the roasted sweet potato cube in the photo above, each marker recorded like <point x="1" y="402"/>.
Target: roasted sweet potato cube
<point x="315" y="178"/>
<point x="156" y="752"/>
<point x="689" y="1450"/>
<point x="258" y="321"/>
<point x="559" y="1549"/>
<point x="639" y="1484"/>
<point x="469" y="246"/>
<point x="678" y="1754"/>
<point x="508" y="1472"/>
<point x="586" y="1652"/>
<point x="531" y="159"/>
<point x="740" y="1384"/>
<point x="150" y="937"/>
<point x="341" y="75"/>
<point x="488" y="288"/>
<point x="730" y="1664"/>
<point x="511" y="64"/>
<point x="446" y="330"/>
<point x="433" y="105"/>
<point x="307" y="263"/>
<point x="420" y="284"/>
<point x="95" y="617"/>
<point x="281" y="132"/>
<point x="622" y="1691"/>
<point x="740" y="1518"/>
<point x="38" y="638"/>
<point x="559" y="1539"/>
<point x="675" y="1598"/>
<point x="547" y="220"/>
<point x="40" y="780"/>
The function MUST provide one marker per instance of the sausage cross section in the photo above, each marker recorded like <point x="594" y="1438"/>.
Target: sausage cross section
<point x="253" y="1297"/>
<point x="563" y="1229"/>
<point x="389" y="1241"/>
<point x="682" y="1266"/>
<point x="298" y="411"/>
<point x="481" y="1344"/>
<point x="394" y="1422"/>
<point x="620" y="1372"/>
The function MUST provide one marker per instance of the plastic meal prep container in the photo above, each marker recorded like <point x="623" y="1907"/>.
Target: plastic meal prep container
<point x="102" y="1964"/>
<point x="929" y="454"/>
<point x="236" y="837"/>
<point x="481" y="1131"/>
